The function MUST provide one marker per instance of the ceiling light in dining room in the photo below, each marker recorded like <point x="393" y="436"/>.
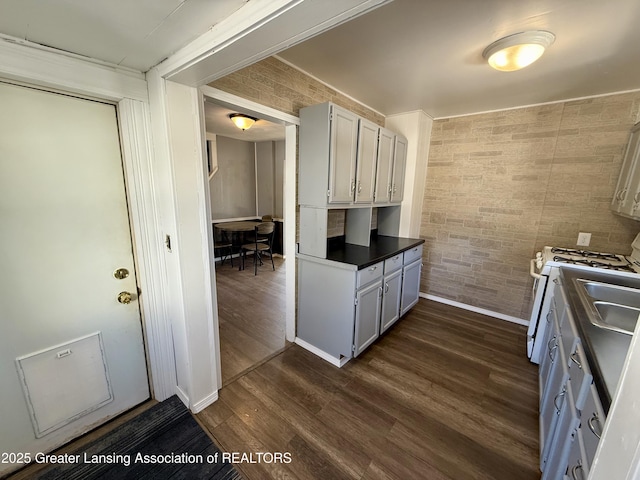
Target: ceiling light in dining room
<point x="518" y="50"/>
<point x="243" y="122"/>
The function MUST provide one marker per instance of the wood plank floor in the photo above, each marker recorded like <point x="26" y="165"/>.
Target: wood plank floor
<point x="445" y="394"/>
<point x="251" y="313"/>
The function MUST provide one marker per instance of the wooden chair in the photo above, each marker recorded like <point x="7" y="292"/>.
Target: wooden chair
<point x="262" y="244"/>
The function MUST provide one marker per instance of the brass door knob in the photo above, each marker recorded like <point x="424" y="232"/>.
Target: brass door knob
<point x="125" y="298"/>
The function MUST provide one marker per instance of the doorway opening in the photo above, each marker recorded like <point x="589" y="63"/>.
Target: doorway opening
<point x="251" y="180"/>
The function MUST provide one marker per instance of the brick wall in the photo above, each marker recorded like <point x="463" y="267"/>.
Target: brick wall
<point x="277" y="85"/>
<point x="502" y="185"/>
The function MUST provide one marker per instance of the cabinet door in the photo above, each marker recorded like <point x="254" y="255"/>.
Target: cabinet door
<point x="392" y="289"/>
<point x="367" y="317"/>
<point x="384" y="167"/>
<point x="550" y="353"/>
<point x="564" y="434"/>
<point x="342" y="155"/>
<point x="551" y="405"/>
<point x="399" y="163"/>
<point x="366" y="161"/>
<point x="627" y="198"/>
<point x="410" y="285"/>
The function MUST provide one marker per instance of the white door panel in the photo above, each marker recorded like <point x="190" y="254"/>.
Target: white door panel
<point x="65" y="230"/>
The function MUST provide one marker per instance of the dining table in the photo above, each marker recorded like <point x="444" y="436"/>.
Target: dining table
<point x="237" y="229"/>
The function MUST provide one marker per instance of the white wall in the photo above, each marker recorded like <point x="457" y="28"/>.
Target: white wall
<point x="416" y="127"/>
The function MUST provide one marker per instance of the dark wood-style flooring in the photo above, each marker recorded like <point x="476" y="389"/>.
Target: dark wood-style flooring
<point x="445" y="394"/>
<point x="251" y="314"/>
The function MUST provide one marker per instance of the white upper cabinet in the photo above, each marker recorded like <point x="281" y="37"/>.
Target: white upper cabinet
<point x="399" y="163"/>
<point x="384" y="170"/>
<point x="626" y="199"/>
<point x="346" y="160"/>
<point x="366" y="161"/>
<point x="342" y="155"/>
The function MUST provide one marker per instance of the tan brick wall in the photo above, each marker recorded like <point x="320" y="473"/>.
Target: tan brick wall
<point x="502" y="185"/>
<point x="277" y="85"/>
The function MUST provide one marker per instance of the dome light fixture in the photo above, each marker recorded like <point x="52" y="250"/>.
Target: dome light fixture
<point x="242" y="121"/>
<point x="518" y="50"/>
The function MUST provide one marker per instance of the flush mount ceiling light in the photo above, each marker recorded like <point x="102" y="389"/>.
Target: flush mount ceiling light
<point x="243" y="122"/>
<point x="518" y="50"/>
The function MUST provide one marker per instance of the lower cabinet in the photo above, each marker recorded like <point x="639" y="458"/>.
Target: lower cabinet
<point x="571" y="416"/>
<point x="342" y="310"/>
<point x="366" y="329"/>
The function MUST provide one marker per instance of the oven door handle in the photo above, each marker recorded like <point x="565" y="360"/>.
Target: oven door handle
<point x="532" y="269"/>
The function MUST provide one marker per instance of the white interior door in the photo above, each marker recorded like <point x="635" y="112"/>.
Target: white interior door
<point x="71" y="355"/>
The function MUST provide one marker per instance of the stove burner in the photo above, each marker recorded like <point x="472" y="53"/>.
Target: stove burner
<point x="593" y="263"/>
<point x="585" y="254"/>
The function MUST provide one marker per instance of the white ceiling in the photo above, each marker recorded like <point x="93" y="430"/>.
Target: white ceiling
<point x="131" y="33"/>
<point x="407" y="55"/>
<point x="418" y="54"/>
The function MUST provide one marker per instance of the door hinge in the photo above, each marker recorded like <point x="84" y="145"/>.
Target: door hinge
<point x="353" y="348"/>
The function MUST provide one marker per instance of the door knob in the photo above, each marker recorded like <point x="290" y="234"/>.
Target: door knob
<point x="125" y="298"/>
<point x="121" y="273"/>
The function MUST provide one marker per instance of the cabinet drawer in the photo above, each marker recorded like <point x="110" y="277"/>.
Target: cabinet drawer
<point x="412" y="254"/>
<point x="369" y="274"/>
<point x="392" y="264"/>
<point x="579" y="374"/>
<point x="592" y="423"/>
<point x="568" y="334"/>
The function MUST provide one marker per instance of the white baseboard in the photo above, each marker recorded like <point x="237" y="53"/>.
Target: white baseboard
<point x="182" y="396"/>
<point x="337" y="362"/>
<point x="205" y="402"/>
<point x="471" y="308"/>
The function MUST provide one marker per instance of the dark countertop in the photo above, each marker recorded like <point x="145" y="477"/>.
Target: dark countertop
<point x="381" y="248"/>
<point x="606" y="350"/>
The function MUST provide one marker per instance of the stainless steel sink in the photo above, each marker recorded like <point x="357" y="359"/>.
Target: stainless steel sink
<point x="612" y="293"/>
<point x="617" y="317"/>
<point x="613" y="307"/>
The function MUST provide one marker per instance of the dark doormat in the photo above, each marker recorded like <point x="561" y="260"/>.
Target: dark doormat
<point x="163" y="442"/>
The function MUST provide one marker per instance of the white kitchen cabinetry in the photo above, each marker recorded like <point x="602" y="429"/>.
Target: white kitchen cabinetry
<point x="366" y="161"/>
<point x="363" y="164"/>
<point x="343" y="309"/>
<point x="412" y="266"/>
<point x="328" y="149"/>
<point x="626" y="199"/>
<point x="571" y="417"/>
<point x="384" y="167"/>
<point x="392" y="291"/>
<point x="367" y="314"/>
<point x="399" y="165"/>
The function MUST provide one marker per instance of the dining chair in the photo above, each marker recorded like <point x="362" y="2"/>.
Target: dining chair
<point x="223" y="245"/>
<point x="262" y="244"/>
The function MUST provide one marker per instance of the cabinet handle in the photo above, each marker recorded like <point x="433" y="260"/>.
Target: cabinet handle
<point x="594" y="418"/>
<point x="574" y="471"/>
<point x="386" y="287"/>
<point x="555" y="400"/>
<point x="373" y="269"/>
<point x="359" y="186"/>
<point x="550" y="347"/>
<point x="394" y="188"/>
<point x="379" y="291"/>
<point x="573" y="359"/>
<point x="556" y="281"/>
<point x="389" y="189"/>
<point x="353" y="185"/>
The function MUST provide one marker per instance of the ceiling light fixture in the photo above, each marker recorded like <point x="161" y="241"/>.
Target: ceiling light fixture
<point x="243" y="122"/>
<point x="518" y="50"/>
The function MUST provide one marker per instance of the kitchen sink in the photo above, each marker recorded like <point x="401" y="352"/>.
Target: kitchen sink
<point x="616" y="317"/>
<point x="612" y="293"/>
<point x="613" y="307"/>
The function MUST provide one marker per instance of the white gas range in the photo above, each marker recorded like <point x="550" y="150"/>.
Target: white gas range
<point x="545" y="268"/>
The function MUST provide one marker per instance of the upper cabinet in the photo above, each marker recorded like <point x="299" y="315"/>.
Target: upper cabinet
<point x="348" y="161"/>
<point x="626" y="200"/>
